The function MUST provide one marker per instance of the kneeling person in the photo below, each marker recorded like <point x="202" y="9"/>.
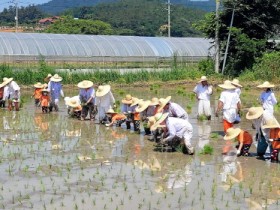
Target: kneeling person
<point x="115" y="118"/>
<point x="178" y="128"/>
<point x="244" y="140"/>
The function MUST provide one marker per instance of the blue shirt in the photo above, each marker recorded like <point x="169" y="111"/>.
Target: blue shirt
<point x="55" y="89"/>
<point x="85" y="95"/>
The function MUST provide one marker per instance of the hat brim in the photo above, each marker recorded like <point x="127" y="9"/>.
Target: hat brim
<point x="227" y="87"/>
<point x="236" y="84"/>
<point x="166" y="101"/>
<point x="266" y="86"/>
<point x="144" y="107"/>
<point x="72" y="105"/>
<point x="45" y="90"/>
<point x="275" y="125"/>
<point x="136" y="102"/>
<point x="157" y="123"/>
<point x="7" y="81"/>
<point x="83" y="86"/>
<point x="39" y="86"/>
<point x="59" y="79"/>
<point x="255" y="116"/>
<point x="124" y="101"/>
<point x="106" y="89"/>
<point x="234" y="135"/>
<point x="111" y="112"/>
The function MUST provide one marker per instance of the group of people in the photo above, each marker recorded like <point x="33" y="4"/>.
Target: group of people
<point x="164" y="121"/>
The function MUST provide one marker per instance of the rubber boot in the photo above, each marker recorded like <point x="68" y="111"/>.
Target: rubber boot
<point x="16" y="106"/>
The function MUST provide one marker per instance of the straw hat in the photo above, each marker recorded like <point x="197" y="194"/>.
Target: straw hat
<point x="127" y="99"/>
<point x="232" y="133"/>
<point x="45" y="90"/>
<point x="154" y="102"/>
<point x="2" y="85"/>
<point x="266" y="84"/>
<point x="39" y="85"/>
<point x="72" y="102"/>
<point x="203" y="79"/>
<point x="254" y="113"/>
<point x="235" y="82"/>
<point x="135" y="101"/>
<point x="142" y="105"/>
<point x="103" y="90"/>
<point x="56" y="78"/>
<point x="85" y="84"/>
<point x="271" y="123"/>
<point x="227" y="85"/>
<point x="163" y="101"/>
<point x="151" y="120"/>
<point x="7" y="80"/>
<point x="111" y="111"/>
<point x="159" y="117"/>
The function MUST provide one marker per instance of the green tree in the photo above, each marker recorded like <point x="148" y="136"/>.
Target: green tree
<point x="255" y="21"/>
<point x="69" y="25"/>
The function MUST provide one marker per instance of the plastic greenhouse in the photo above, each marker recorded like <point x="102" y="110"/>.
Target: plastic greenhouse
<point x="19" y="47"/>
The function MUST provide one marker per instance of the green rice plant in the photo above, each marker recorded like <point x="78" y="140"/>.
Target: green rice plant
<point x="207" y="150"/>
<point x="214" y="135"/>
<point x="202" y="118"/>
<point x="189" y="108"/>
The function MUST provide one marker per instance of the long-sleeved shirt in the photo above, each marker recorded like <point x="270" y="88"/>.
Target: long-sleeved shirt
<point x="175" y="110"/>
<point x="55" y="88"/>
<point x="86" y="94"/>
<point x="105" y="101"/>
<point x="203" y="92"/>
<point x="268" y="100"/>
<point x="177" y="127"/>
<point x="12" y="88"/>
<point x="230" y="99"/>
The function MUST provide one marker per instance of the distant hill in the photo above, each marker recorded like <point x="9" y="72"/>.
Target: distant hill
<point x="55" y="7"/>
<point x="142" y="17"/>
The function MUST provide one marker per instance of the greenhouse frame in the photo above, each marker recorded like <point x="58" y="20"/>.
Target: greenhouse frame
<point x="20" y="47"/>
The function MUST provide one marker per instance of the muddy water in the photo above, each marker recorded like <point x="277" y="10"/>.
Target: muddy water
<point x="49" y="161"/>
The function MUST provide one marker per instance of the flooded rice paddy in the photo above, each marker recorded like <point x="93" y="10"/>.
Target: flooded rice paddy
<point x="50" y="161"/>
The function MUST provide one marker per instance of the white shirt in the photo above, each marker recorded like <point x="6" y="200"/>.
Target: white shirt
<point x="268" y="100"/>
<point x="105" y="101"/>
<point x="258" y="123"/>
<point x="230" y="100"/>
<point x="177" y="127"/>
<point x="175" y="110"/>
<point x="203" y="92"/>
<point x="12" y="87"/>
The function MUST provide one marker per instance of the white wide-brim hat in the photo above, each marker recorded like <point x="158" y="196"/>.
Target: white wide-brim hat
<point x="159" y="117"/>
<point x="102" y="90"/>
<point x="56" y="78"/>
<point x="142" y="105"/>
<point x="111" y="111"/>
<point x="236" y="83"/>
<point x="227" y="85"/>
<point x="154" y="102"/>
<point x="85" y="84"/>
<point x="266" y="84"/>
<point x="271" y="123"/>
<point x="254" y="113"/>
<point x="7" y="80"/>
<point x="127" y="99"/>
<point x="39" y="85"/>
<point x="45" y="90"/>
<point x="135" y="101"/>
<point x="163" y="101"/>
<point x="72" y="102"/>
<point x="203" y="79"/>
<point x="232" y="133"/>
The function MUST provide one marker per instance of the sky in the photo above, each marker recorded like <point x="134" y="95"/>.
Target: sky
<point x="21" y="3"/>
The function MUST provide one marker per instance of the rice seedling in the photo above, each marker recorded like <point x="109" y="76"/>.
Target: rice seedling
<point x="207" y="150"/>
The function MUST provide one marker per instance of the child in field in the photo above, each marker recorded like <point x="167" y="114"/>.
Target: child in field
<point x="244" y="140"/>
<point x="274" y="138"/>
<point x="126" y="110"/>
<point x="116" y="118"/>
<point x="45" y="100"/>
<point x="37" y="93"/>
<point x="74" y="107"/>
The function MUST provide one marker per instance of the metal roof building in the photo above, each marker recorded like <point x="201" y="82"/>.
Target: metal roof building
<point x="97" y="48"/>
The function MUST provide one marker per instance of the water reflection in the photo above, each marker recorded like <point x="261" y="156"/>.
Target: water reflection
<point x="204" y="130"/>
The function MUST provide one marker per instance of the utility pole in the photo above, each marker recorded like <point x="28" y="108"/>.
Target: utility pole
<point x="228" y="40"/>
<point x="168" y="24"/>
<point x="15" y="2"/>
<point x="217" y="41"/>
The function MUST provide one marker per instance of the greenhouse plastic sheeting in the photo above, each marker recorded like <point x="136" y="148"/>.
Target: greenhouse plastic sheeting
<point x="57" y="46"/>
